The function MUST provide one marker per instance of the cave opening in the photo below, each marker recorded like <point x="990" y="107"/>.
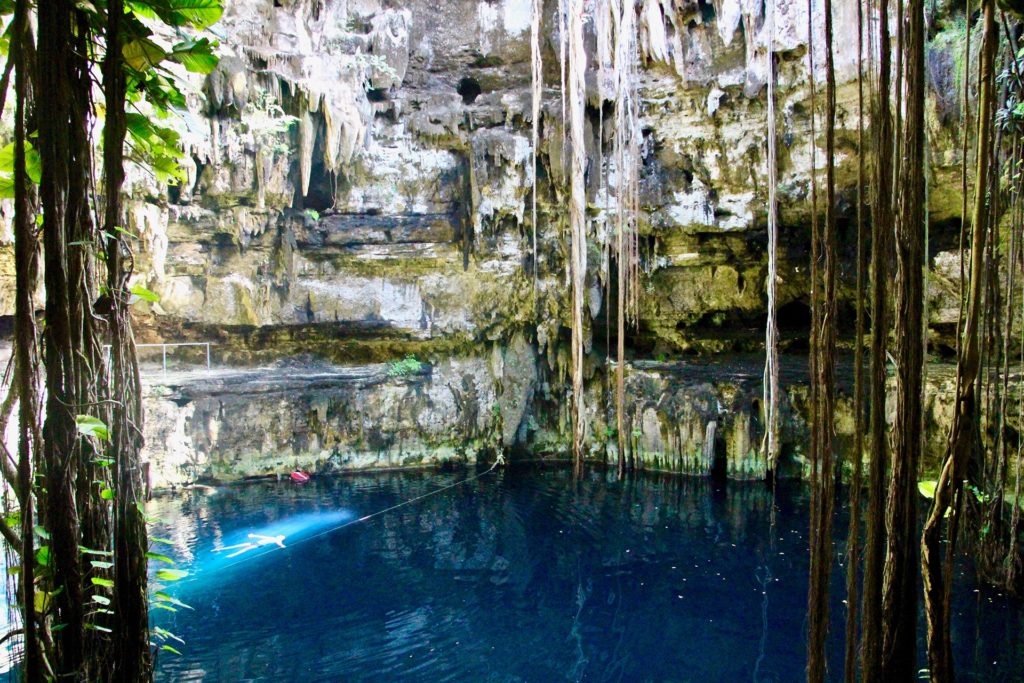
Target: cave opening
<point x="469" y="89"/>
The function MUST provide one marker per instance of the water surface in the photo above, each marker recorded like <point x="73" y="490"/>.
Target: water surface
<point x="521" y="575"/>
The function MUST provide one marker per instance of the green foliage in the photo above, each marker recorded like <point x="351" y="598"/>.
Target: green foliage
<point x="312" y="214"/>
<point x="144" y="294"/>
<point x="405" y="367"/>
<point x="33" y="168"/>
<point x="170" y="574"/>
<point x="158" y="147"/>
<point x="152" y="87"/>
<point x="87" y="425"/>
<point x="195" y="55"/>
<point x="197" y="14"/>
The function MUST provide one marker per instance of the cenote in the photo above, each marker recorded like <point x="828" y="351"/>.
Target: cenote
<point x="512" y="340"/>
<point x="520" y="575"/>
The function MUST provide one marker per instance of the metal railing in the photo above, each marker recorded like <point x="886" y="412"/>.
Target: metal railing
<point x="164" y="346"/>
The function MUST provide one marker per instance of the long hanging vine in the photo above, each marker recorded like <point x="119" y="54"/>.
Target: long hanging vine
<point x="71" y="502"/>
<point x="771" y="341"/>
<point x="627" y="165"/>
<point x="856" y="483"/>
<point x="823" y="312"/>
<point x="536" y="96"/>
<point x="67" y="336"/>
<point x="577" y="219"/>
<point x="963" y="431"/>
<point x="899" y="661"/>
<point x="132" y="658"/>
<point x="881" y="226"/>
<point x="25" y="369"/>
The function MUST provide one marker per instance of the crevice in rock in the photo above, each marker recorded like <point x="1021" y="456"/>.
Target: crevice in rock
<point x="469" y="89"/>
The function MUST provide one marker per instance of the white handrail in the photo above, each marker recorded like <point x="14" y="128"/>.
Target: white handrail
<point x="164" y="345"/>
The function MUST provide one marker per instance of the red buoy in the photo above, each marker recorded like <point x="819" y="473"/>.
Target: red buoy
<point x="299" y="477"/>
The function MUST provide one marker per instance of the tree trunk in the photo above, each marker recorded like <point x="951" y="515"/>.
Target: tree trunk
<point x="25" y="347"/>
<point x="131" y="653"/>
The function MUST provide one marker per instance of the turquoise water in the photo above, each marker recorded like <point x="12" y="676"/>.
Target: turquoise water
<point x="521" y="575"/>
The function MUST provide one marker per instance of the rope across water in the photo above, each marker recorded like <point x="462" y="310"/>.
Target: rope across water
<point x="320" y="534"/>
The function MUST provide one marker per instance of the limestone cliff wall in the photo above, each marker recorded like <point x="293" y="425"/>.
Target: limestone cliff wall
<point x="358" y="189"/>
<point x="358" y="162"/>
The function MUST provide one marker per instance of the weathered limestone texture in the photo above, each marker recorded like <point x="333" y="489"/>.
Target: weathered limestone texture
<point x="358" y="189"/>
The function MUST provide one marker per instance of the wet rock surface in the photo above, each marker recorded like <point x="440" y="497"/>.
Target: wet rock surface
<point x="694" y="418"/>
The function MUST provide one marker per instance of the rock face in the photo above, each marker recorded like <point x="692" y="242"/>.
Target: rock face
<point x="694" y="418"/>
<point x="359" y="186"/>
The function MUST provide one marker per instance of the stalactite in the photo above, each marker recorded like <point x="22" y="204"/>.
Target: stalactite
<point x="577" y="219"/>
<point x="964" y="428"/>
<point x="627" y="165"/>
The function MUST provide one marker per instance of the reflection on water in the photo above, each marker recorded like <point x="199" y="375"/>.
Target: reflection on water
<point x="518" y="576"/>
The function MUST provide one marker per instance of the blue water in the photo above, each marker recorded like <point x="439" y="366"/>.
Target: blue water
<point x="517" y="576"/>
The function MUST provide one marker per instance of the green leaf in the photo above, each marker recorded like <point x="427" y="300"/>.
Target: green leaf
<point x="97" y="627"/>
<point x="164" y="634"/>
<point x="170" y="574"/>
<point x="170" y="649"/>
<point x="143" y="293"/>
<point x="141" y="8"/>
<point x="927" y="488"/>
<point x="89" y="551"/>
<point x="195" y="55"/>
<point x="41" y="532"/>
<point x="106" y="583"/>
<point x="128" y="233"/>
<point x="33" y="163"/>
<point x="197" y="13"/>
<point x="101" y="599"/>
<point x="6" y="186"/>
<point x="92" y="426"/>
<point x="165" y="541"/>
<point x="100" y="564"/>
<point x="41" y="600"/>
<point x="107" y="493"/>
<point x="159" y="558"/>
<point x="163" y="606"/>
<point x="164" y="597"/>
<point x="43" y="556"/>
<point x="143" y="54"/>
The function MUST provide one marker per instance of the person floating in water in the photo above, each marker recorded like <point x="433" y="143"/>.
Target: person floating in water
<point x="258" y="542"/>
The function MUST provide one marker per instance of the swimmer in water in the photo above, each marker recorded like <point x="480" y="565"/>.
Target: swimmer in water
<point x="259" y="541"/>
